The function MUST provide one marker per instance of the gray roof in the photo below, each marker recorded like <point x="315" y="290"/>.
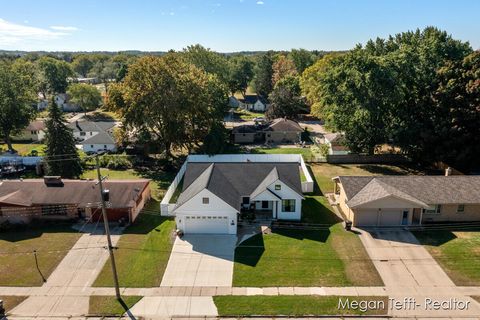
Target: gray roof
<point x="232" y="181"/>
<point x="102" y="137"/>
<point x="284" y="125"/>
<point x="93" y="126"/>
<point x="418" y="189"/>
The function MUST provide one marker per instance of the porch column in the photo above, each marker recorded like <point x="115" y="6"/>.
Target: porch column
<point x="275" y="209"/>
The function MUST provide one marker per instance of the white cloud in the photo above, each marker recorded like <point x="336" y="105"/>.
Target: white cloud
<point x="260" y="2"/>
<point x="12" y="33"/>
<point x="64" y="28"/>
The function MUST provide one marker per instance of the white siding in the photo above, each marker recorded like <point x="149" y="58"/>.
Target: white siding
<point x="215" y="207"/>
<point x="286" y="192"/>
<point x="96" y="147"/>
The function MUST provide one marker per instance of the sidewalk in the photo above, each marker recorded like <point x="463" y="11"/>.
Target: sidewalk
<point x="75" y="274"/>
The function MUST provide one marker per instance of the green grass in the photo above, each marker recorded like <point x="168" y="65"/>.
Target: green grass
<point x="24" y="149"/>
<point x="10" y="302"/>
<point x="109" y="305"/>
<point x="17" y="267"/>
<point x="305" y="152"/>
<point x="158" y="185"/>
<point x="324" y="172"/>
<point x="142" y="254"/>
<point x="458" y="252"/>
<point x="248" y="115"/>
<point x="328" y="257"/>
<point x="291" y="305"/>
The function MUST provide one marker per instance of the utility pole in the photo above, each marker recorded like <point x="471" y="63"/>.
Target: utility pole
<point x="107" y="229"/>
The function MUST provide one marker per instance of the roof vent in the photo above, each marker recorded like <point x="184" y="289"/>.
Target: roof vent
<point x="53" y="181"/>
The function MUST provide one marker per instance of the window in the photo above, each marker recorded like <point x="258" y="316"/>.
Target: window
<point x="105" y="146"/>
<point x="83" y="133"/>
<point x="435" y="209"/>
<point x="54" y="210"/>
<point x="288" y="205"/>
<point x="246" y="200"/>
<point x="205" y="200"/>
<point x="278" y="187"/>
<point x="461" y="208"/>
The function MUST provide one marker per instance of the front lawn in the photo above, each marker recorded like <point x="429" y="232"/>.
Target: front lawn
<point x="110" y="306"/>
<point x="458" y="252"/>
<point x="294" y="305"/>
<point x="17" y="266"/>
<point x="142" y="254"/>
<point x="10" y="302"/>
<point x="324" y="172"/>
<point x="330" y="256"/>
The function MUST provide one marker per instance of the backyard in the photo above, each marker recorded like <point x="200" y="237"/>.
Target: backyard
<point x="17" y="267"/>
<point x="25" y="149"/>
<point x="456" y="251"/>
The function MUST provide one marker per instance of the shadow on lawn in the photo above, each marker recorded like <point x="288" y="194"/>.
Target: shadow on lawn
<point x="147" y="223"/>
<point x="34" y="230"/>
<point x="435" y="238"/>
<point x="250" y="251"/>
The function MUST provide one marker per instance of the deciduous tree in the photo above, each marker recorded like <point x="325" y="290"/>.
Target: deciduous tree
<point x="85" y="95"/>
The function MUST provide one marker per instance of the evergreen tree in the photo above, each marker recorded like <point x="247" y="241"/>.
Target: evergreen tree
<point x="61" y="153"/>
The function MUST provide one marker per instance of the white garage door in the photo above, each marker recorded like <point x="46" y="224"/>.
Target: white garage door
<point x="366" y="218"/>
<point x="206" y="224"/>
<point x="392" y="217"/>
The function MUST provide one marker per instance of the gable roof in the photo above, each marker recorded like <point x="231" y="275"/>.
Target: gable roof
<point x="36" y="125"/>
<point x="420" y="189"/>
<point x="102" y="137"/>
<point x="283" y="124"/>
<point x="244" y="129"/>
<point x="80" y="192"/>
<point x="232" y="181"/>
<point x="253" y="98"/>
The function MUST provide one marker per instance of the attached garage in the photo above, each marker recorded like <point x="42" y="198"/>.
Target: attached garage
<point x="383" y="217"/>
<point x="365" y="218"/>
<point x="207" y="224"/>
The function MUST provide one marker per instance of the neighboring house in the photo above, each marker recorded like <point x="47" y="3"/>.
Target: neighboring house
<point x="35" y="132"/>
<point x="215" y="194"/>
<point x="52" y="198"/>
<point x="253" y="102"/>
<point x="93" y="136"/>
<point x="245" y="134"/>
<point x="233" y="102"/>
<point x="283" y="130"/>
<point x="62" y="100"/>
<point x="336" y="144"/>
<point x="277" y="131"/>
<point x="408" y="200"/>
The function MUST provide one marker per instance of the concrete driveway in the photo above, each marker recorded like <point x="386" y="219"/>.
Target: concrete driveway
<point x="401" y="261"/>
<point x="201" y="261"/>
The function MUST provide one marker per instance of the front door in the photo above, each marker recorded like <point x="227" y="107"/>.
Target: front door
<point x="405" y="217"/>
<point x="264" y="205"/>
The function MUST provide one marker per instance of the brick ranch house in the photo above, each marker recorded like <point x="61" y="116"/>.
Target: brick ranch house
<point x="52" y="198"/>
<point x="408" y="200"/>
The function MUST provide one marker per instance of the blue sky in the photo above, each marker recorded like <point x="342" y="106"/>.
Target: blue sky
<point x="224" y="25"/>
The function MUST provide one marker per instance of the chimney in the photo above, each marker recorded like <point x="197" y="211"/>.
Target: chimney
<point x="448" y="172"/>
<point x="53" y="181"/>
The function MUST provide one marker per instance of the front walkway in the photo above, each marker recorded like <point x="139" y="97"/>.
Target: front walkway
<point x="201" y="260"/>
<point x="75" y="273"/>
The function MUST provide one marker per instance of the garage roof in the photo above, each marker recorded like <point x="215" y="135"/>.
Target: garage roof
<point x="423" y="189"/>
<point x="232" y="181"/>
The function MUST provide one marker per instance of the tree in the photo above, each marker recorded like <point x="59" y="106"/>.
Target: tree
<point x="61" y="154"/>
<point x="85" y="95"/>
<point x="207" y="60"/>
<point x="169" y="100"/>
<point x="282" y="68"/>
<point x="263" y="72"/>
<point x="216" y="140"/>
<point x="82" y="64"/>
<point x="53" y="75"/>
<point x="16" y="98"/>
<point x="240" y="74"/>
<point x="302" y="59"/>
<point x="286" y="100"/>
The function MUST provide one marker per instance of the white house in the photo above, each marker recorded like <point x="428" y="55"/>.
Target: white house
<point x="215" y="194"/>
<point x="34" y="132"/>
<point x="62" y="100"/>
<point x="93" y="136"/>
<point x="253" y="102"/>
